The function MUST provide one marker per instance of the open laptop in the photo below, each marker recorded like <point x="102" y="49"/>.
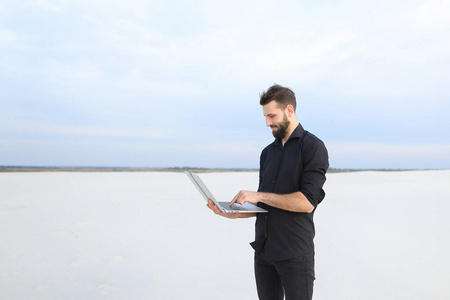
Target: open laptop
<point x="223" y="206"/>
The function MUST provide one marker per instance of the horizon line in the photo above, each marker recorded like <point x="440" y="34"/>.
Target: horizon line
<point x="15" y="168"/>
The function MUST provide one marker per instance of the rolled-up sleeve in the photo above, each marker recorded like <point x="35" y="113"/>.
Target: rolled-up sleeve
<point x="314" y="168"/>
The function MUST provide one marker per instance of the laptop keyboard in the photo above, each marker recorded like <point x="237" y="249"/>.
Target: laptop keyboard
<point x="226" y="205"/>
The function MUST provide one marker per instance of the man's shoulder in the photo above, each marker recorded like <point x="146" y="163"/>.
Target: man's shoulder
<point x="312" y="146"/>
<point x="313" y="140"/>
<point x="270" y="146"/>
<point x="270" y="149"/>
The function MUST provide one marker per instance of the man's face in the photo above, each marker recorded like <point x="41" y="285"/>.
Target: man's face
<point x="277" y="119"/>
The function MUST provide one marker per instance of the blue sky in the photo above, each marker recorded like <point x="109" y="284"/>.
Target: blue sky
<point x="177" y="83"/>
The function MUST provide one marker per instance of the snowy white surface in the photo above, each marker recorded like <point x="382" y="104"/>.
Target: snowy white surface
<point x="379" y="235"/>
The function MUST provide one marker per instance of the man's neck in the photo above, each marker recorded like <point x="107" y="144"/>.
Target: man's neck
<point x="290" y="130"/>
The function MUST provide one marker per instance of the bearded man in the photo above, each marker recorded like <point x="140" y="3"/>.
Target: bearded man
<point x="291" y="178"/>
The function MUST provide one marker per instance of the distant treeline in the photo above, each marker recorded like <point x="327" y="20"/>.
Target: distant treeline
<point x="171" y="169"/>
<point x="114" y="169"/>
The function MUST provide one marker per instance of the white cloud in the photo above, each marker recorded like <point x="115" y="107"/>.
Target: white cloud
<point x="415" y="33"/>
<point x="378" y="155"/>
<point x="426" y="17"/>
<point x="48" y="5"/>
<point x="15" y="41"/>
<point x="81" y="72"/>
<point x="40" y="129"/>
<point x="112" y="63"/>
<point x="303" y="52"/>
<point x="7" y="37"/>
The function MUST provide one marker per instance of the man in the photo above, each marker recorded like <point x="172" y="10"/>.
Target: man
<point x="291" y="177"/>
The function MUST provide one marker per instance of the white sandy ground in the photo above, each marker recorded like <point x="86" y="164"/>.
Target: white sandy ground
<point x="380" y="235"/>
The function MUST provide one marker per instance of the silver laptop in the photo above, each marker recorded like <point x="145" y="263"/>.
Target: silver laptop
<point x="223" y="206"/>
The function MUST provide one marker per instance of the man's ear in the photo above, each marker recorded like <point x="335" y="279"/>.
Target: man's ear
<point x="290" y="109"/>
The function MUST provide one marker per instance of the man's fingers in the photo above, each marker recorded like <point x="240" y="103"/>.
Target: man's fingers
<point x="239" y="199"/>
<point x="213" y="207"/>
<point x="211" y="204"/>
<point x="234" y="200"/>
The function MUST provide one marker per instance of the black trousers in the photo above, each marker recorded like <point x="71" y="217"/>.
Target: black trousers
<point x="293" y="278"/>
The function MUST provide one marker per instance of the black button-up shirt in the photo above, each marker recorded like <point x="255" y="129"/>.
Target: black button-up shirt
<point x="299" y="165"/>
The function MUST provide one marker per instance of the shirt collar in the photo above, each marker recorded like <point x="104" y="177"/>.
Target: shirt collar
<point x="297" y="133"/>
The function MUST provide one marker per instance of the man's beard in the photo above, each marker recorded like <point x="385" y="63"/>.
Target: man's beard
<point x="280" y="133"/>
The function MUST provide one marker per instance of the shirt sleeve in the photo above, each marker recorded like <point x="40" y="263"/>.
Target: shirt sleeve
<point x="261" y="165"/>
<point x="315" y="166"/>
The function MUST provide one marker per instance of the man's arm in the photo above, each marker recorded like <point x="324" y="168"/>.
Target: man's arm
<point x="217" y="211"/>
<point x="296" y="202"/>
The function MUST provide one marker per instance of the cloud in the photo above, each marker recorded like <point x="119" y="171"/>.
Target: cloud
<point x="12" y="40"/>
<point x="48" y="6"/>
<point x="79" y="73"/>
<point x="422" y="18"/>
<point x="101" y="69"/>
<point x="415" y="33"/>
<point x="7" y="37"/>
<point x="379" y="155"/>
<point x="42" y="129"/>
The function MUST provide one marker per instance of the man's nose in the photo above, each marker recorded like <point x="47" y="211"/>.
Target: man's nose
<point x="269" y="122"/>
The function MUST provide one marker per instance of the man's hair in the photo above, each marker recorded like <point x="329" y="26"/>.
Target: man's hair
<point x="282" y="95"/>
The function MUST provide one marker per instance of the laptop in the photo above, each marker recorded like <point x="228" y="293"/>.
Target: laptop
<point x="223" y="206"/>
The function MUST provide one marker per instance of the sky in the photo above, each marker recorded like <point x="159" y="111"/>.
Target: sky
<point x="177" y="83"/>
